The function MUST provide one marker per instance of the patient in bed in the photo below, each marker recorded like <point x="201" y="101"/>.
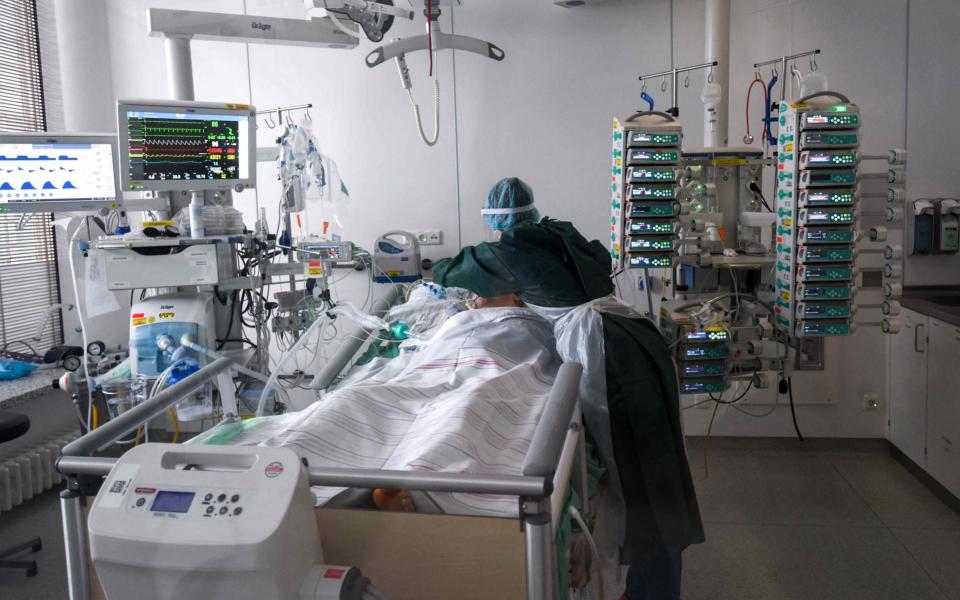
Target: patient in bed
<point x="402" y="500"/>
<point x="465" y="397"/>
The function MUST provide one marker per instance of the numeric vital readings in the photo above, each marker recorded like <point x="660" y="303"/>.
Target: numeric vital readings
<point x="185" y="147"/>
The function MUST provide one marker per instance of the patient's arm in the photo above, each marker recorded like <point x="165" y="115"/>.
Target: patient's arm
<point x="506" y="300"/>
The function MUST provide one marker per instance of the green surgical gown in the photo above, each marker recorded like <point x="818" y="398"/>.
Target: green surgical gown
<point x="551" y="264"/>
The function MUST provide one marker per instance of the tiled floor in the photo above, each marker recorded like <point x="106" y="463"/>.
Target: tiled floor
<point x="819" y="520"/>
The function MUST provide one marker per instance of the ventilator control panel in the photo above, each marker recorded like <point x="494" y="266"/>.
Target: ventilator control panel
<point x="644" y="204"/>
<point x="816" y="205"/>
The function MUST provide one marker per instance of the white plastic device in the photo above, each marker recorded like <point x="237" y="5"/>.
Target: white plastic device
<point x="212" y="522"/>
<point x="396" y="257"/>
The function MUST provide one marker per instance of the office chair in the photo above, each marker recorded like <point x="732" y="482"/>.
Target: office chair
<point x="12" y="426"/>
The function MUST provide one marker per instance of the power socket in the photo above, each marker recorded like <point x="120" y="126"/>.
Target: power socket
<point x="429" y="237"/>
<point x="871" y="401"/>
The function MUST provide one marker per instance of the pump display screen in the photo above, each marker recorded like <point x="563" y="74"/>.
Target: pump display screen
<point x="708" y="335"/>
<point x="826" y="197"/>
<point x="652" y="174"/>
<point x="658" y="139"/>
<point x="829" y="139"/>
<point x="651" y="227"/>
<point x="651" y="261"/>
<point x="175" y="502"/>
<point x="838" y="118"/>
<point x="653" y="156"/>
<point x="831" y="158"/>
<point x="651" y="192"/>
<point x="660" y="209"/>
<point x="646" y="244"/>
<point x="826" y="217"/>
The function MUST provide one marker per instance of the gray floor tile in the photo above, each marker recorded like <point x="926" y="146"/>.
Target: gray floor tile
<point x="38" y="516"/>
<point x="894" y="493"/>
<point x="777" y="488"/>
<point x="741" y="562"/>
<point x="938" y="552"/>
<point x="792" y="445"/>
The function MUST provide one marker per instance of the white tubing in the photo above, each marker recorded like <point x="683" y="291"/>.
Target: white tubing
<point x="593" y="546"/>
<point x="272" y="381"/>
<point x="83" y="327"/>
<point x="214" y="354"/>
<point x="436" y="116"/>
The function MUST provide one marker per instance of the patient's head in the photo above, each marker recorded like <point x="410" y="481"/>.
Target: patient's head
<point x="499" y="301"/>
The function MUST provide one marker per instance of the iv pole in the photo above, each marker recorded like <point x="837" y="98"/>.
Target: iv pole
<point x="674" y="73"/>
<point x="783" y="60"/>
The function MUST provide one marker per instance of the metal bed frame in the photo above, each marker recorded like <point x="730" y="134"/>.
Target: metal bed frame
<point x="555" y="460"/>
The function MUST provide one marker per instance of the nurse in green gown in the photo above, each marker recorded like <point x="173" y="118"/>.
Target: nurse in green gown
<point x="629" y="391"/>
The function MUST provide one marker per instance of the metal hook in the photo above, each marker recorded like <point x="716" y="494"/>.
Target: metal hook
<point x="307" y="115"/>
<point x="269" y="121"/>
<point x="663" y="84"/>
<point x="710" y="75"/>
<point x="686" y="81"/>
<point x="813" y="64"/>
<point x="289" y="119"/>
<point x="756" y="75"/>
<point x="774" y="72"/>
<point x="643" y="88"/>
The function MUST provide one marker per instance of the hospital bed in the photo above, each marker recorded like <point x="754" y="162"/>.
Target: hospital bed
<point x="408" y="555"/>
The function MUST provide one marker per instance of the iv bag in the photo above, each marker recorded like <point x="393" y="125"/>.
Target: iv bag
<point x="710" y="95"/>
<point x="813" y="82"/>
<point x="325" y="193"/>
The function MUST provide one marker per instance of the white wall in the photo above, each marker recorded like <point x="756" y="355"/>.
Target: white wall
<point x="544" y="114"/>
<point x="933" y="127"/>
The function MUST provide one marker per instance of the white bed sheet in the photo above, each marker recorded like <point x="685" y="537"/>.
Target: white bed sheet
<point x="468" y="400"/>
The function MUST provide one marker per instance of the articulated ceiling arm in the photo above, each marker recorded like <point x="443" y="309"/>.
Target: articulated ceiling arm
<point x="442" y="41"/>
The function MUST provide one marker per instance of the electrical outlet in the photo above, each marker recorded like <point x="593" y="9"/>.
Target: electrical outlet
<point x="871" y="401"/>
<point x="429" y="237"/>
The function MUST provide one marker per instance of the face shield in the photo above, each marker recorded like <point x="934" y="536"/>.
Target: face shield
<point x="509" y="203"/>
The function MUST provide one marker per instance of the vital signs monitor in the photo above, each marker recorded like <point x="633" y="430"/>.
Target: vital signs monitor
<point x="47" y="172"/>
<point x="167" y="145"/>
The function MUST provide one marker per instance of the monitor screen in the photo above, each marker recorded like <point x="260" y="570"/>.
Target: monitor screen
<point x="187" y="146"/>
<point x="49" y="172"/>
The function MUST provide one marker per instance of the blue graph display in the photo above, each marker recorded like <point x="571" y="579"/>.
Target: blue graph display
<point x="41" y="172"/>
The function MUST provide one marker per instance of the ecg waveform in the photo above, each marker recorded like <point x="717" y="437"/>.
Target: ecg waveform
<point x="182" y="149"/>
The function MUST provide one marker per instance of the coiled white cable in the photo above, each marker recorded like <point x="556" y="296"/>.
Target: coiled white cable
<point x="436" y="115"/>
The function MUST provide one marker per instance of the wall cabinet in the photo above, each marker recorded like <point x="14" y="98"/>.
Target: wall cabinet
<point x="924" y="395"/>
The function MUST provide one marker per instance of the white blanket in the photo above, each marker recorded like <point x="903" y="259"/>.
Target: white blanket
<point x="467" y="401"/>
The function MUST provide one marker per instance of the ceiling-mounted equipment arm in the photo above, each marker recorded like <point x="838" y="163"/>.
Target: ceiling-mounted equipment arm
<point x="441" y="41"/>
<point x="374" y="16"/>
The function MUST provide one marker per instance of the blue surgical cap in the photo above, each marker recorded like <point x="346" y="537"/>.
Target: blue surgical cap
<point x="509" y="203"/>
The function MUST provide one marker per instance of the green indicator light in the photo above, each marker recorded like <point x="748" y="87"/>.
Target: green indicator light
<point x="840" y="108"/>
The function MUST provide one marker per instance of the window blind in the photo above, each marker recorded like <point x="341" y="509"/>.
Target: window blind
<point x="28" y="259"/>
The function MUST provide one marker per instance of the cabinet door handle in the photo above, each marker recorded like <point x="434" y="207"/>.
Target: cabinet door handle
<point x="920" y="338"/>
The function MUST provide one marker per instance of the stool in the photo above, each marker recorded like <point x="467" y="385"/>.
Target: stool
<point x="12" y="426"/>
